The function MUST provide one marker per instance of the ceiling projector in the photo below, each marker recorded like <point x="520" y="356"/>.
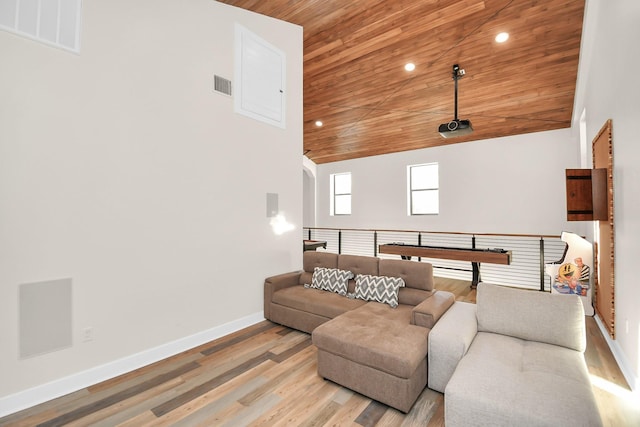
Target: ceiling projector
<point x="455" y="127"/>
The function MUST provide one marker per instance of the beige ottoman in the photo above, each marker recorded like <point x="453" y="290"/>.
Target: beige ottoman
<point x="375" y="351"/>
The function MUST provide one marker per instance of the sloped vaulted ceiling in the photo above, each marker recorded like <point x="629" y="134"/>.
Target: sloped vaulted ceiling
<point x="355" y="83"/>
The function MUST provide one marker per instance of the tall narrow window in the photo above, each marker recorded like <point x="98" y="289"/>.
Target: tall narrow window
<point x="423" y="189"/>
<point x="341" y="194"/>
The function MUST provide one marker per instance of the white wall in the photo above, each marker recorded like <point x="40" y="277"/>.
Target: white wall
<point x="309" y="172"/>
<point x="121" y="169"/>
<point x="503" y="185"/>
<point x="611" y="90"/>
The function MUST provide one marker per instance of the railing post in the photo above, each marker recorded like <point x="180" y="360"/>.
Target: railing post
<point x="419" y="244"/>
<point x="339" y="241"/>
<point x="375" y="243"/>
<point x="473" y="241"/>
<point x="541" y="263"/>
<point x="309" y="234"/>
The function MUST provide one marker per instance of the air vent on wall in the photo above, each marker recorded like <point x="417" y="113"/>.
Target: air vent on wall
<point x="222" y="85"/>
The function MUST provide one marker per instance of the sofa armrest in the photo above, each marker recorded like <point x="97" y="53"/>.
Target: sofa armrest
<point x="275" y="283"/>
<point x="428" y="312"/>
<point x="449" y="340"/>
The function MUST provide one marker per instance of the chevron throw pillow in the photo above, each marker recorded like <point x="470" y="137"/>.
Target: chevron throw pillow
<point x="382" y="289"/>
<point x="331" y="279"/>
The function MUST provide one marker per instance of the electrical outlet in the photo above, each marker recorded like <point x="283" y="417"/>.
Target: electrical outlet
<point x="87" y="334"/>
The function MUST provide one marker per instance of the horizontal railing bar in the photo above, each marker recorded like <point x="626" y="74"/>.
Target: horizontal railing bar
<point x="529" y="251"/>
<point x="380" y="230"/>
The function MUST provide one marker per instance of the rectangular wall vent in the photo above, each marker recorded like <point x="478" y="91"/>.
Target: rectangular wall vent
<point x="52" y="22"/>
<point x="222" y="85"/>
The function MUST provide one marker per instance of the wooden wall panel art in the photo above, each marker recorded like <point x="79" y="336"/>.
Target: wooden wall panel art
<point x="602" y="149"/>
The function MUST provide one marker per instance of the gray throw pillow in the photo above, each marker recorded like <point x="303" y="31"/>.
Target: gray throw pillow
<point x="331" y="279"/>
<point x="382" y="289"/>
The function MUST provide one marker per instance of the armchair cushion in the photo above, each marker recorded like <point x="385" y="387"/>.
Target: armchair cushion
<point x="543" y="317"/>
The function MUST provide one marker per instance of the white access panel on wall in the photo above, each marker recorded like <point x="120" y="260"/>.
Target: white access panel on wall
<point x="260" y="78"/>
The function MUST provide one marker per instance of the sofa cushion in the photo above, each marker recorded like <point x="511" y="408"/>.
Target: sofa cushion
<point x="549" y="318"/>
<point x="377" y="336"/>
<point x="331" y="279"/>
<point x="506" y="381"/>
<point x="313" y="259"/>
<point x="321" y="303"/>
<point x="412" y="296"/>
<point x="378" y="288"/>
<point x="415" y="274"/>
<point x="359" y="264"/>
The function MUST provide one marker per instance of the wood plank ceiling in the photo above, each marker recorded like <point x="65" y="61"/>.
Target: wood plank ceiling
<point x="355" y="82"/>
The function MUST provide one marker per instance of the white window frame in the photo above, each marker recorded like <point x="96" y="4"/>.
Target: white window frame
<point x="335" y="194"/>
<point x="414" y="189"/>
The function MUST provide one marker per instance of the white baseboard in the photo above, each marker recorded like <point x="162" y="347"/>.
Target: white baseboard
<point x="45" y="392"/>
<point x="621" y="359"/>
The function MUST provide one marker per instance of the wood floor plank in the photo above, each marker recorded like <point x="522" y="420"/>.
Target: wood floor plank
<point x="290" y="392"/>
<point x="311" y="400"/>
<point x="245" y="415"/>
<point x="289" y="340"/>
<point x="342" y="395"/>
<point x="348" y="413"/>
<point x="392" y="418"/>
<point x="145" y="419"/>
<point x="244" y="350"/>
<point x="201" y="389"/>
<point x="423" y="410"/>
<point x="371" y="414"/>
<point x="24" y="419"/>
<point x="267" y="375"/>
<point x="322" y="415"/>
<point x="239" y="338"/>
<point x="287" y="372"/>
<point x="117" y="397"/>
<point x="126" y="408"/>
<point x="306" y="355"/>
<point x="437" y="420"/>
<point x="290" y="352"/>
<point x="144" y="373"/>
<point x="211" y="403"/>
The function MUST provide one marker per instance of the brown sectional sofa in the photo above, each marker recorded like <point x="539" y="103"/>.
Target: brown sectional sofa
<point x="367" y="346"/>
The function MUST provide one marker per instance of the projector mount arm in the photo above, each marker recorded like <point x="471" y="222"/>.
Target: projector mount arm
<point x="458" y="73"/>
<point x="455" y="127"/>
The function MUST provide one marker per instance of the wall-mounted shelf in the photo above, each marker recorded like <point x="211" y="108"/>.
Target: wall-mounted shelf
<point x="586" y="194"/>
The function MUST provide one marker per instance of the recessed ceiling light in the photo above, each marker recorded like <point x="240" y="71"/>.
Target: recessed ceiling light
<point x="318" y="123"/>
<point x="502" y="37"/>
<point x="409" y="66"/>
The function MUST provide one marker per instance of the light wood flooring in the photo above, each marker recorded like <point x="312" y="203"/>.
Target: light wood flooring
<point x="265" y="375"/>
